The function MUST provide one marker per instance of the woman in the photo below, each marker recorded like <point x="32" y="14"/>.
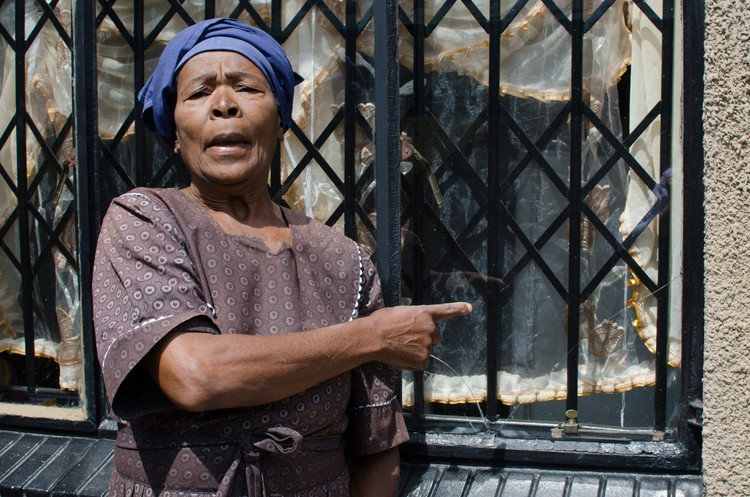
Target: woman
<point x="244" y="346"/>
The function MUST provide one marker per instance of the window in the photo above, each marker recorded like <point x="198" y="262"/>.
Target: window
<point x="41" y="352"/>
<point x="549" y="139"/>
<point x="547" y="127"/>
<point x="526" y="153"/>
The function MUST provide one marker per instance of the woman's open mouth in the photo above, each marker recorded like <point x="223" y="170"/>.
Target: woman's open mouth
<point x="227" y="143"/>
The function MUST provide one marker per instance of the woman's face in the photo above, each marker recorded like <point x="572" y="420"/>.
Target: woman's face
<point x="226" y="121"/>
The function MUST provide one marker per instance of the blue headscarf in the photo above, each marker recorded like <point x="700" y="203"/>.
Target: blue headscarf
<point x="159" y="94"/>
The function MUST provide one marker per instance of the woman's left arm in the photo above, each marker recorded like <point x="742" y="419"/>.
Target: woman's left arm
<point x="376" y="475"/>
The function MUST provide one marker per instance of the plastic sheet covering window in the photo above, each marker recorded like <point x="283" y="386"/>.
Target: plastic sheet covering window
<point x="446" y="232"/>
<point x="49" y="166"/>
<point x="445" y="169"/>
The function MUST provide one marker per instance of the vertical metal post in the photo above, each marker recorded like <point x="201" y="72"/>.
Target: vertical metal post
<point x="210" y="9"/>
<point x="24" y="230"/>
<point x="387" y="150"/>
<point x="665" y="156"/>
<point x="693" y="297"/>
<point x="276" y="32"/>
<point x="351" y="98"/>
<point x="419" y="140"/>
<point x="139" y="79"/>
<point x="494" y="244"/>
<point x="575" y="201"/>
<point x="86" y="139"/>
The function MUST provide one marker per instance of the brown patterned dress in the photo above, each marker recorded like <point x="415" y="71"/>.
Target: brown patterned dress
<point x="163" y="264"/>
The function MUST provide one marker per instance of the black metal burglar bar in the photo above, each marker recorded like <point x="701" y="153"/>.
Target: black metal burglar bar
<point x="350" y="186"/>
<point x="576" y="201"/>
<point x="109" y="171"/>
<point x="499" y="181"/>
<point x="38" y="232"/>
<point x="665" y="152"/>
<point x="499" y="120"/>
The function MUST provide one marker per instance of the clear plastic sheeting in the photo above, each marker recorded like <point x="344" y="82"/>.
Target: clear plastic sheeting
<point x="55" y="292"/>
<point x="316" y="50"/>
<point x="617" y="320"/>
<point x="535" y="50"/>
<point x="646" y="69"/>
<point x="116" y="61"/>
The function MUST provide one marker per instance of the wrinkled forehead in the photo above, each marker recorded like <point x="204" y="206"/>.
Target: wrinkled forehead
<point x="232" y="45"/>
<point x="211" y="64"/>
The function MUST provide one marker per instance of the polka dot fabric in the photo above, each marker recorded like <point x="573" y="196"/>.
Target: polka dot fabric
<point x="163" y="264"/>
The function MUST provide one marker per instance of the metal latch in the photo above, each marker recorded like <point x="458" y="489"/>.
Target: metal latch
<point x="571" y="425"/>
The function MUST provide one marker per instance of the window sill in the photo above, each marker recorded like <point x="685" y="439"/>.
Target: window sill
<point x="482" y="481"/>
<point x="33" y="464"/>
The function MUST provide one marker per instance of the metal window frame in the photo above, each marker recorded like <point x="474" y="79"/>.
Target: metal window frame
<point x="682" y="454"/>
<point x="84" y="113"/>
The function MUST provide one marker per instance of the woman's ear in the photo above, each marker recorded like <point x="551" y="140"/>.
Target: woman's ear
<point x="177" y="147"/>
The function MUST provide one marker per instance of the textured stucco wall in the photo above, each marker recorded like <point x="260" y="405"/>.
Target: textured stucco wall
<point x="726" y="450"/>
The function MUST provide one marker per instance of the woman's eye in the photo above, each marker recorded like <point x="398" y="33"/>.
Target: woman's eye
<point x="248" y="89"/>
<point x="200" y="93"/>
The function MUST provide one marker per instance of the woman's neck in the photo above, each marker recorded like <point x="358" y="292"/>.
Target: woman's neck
<point x="237" y="212"/>
<point x="245" y="215"/>
<point x="243" y="207"/>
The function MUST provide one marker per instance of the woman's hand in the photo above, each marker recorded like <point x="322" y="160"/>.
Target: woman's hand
<point x="407" y="334"/>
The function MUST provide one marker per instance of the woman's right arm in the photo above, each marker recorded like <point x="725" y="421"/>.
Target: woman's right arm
<point x="199" y="371"/>
<point x="171" y="336"/>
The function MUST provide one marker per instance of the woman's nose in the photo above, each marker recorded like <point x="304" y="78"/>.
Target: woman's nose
<point x="224" y="105"/>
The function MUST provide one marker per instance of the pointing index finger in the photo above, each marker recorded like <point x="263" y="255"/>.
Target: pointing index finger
<point x="441" y="312"/>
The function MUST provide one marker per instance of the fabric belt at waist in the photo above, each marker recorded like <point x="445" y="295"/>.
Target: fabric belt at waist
<point x="250" y="449"/>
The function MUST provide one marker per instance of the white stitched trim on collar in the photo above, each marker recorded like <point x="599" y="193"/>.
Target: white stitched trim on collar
<point x="355" y="311"/>
<point x="379" y="404"/>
